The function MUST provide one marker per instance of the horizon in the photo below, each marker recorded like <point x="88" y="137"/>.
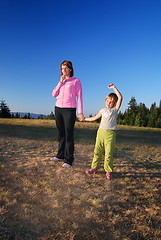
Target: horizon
<point x="157" y="105"/>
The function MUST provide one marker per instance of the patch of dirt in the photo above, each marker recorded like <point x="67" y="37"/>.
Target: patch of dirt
<point x="42" y="200"/>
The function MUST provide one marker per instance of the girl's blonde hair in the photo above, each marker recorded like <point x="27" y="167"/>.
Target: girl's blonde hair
<point x="113" y="97"/>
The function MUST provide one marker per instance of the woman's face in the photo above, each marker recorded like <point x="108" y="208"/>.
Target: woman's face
<point x="65" y="71"/>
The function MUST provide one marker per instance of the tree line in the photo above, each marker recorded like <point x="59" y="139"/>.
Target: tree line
<point x="135" y="115"/>
<point x="141" y="116"/>
<point x="6" y="113"/>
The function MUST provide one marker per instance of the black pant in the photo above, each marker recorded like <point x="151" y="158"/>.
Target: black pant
<point x="65" y="121"/>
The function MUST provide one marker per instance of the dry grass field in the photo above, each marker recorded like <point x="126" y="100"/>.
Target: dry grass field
<point x="40" y="200"/>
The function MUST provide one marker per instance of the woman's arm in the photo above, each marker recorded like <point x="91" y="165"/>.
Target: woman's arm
<point x="79" y="99"/>
<point x="56" y="90"/>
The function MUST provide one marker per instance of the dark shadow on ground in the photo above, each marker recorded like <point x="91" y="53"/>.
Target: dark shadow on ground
<point x="82" y="135"/>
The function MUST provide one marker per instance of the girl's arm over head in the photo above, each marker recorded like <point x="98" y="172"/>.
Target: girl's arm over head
<point x="119" y="95"/>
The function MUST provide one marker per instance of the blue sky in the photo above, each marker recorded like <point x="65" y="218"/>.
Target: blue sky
<point x="108" y="41"/>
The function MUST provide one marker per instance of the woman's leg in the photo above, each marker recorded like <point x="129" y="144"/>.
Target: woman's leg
<point x="69" y="115"/>
<point x="61" y="132"/>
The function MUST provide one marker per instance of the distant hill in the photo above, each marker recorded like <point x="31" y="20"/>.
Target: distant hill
<point x="32" y="115"/>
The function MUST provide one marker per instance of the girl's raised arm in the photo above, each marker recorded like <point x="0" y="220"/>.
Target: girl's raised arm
<point x="119" y="95"/>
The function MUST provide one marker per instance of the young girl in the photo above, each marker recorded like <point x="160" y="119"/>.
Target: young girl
<point x="106" y="135"/>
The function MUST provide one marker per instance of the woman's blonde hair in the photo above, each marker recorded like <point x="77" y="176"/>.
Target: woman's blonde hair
<point x="113" y="97"/>
<point x="69" y="65"/>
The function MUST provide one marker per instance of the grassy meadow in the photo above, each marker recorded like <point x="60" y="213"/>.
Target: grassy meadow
<point x="40" y="200"/>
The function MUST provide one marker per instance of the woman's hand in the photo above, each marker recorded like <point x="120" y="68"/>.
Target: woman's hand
<point x="81" y="117"/>
<point x="62" y="78"/>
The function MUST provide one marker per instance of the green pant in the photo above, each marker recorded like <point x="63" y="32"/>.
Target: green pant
<point x="105" y="141"/>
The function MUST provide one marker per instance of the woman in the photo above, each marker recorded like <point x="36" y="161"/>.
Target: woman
<point x="67" y="91"/>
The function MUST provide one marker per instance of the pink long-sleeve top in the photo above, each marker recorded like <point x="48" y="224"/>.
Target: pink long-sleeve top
<point x="67" y="93"/>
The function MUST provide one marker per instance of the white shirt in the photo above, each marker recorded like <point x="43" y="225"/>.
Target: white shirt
<point x="109" y="118"/>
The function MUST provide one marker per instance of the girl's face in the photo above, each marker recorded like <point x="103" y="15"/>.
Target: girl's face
<point x="109" y="102"/>
<point x="65" y="71"/>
